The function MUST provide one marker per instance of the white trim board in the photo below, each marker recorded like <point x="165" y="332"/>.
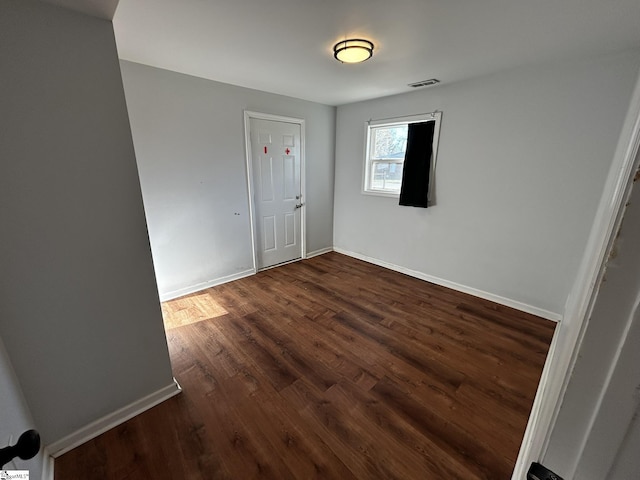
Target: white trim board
<point x="48" y="463"/>
<point x="111" y="420"/>
<point x="204" y="285"/>
<point x="523" y="307"/>
<point x="164" y="297"/>
<point x="322" y="251"/>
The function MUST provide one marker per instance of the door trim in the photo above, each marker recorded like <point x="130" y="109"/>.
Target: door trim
<point x="248" y="115"/>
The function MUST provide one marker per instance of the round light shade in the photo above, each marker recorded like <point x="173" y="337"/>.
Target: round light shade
<point x="353" y="51"/>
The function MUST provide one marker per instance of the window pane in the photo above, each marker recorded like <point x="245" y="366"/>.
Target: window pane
<point x="385" y="151"/>
<point x="389" y="142"/>
<point x="386" y="176"/>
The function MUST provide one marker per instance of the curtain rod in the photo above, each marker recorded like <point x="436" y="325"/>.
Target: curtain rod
<point x="433" y="114"/>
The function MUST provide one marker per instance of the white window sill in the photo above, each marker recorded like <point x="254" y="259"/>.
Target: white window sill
<point x="377" y="193"/>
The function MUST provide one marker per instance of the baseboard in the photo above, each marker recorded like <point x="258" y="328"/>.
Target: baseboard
<point x="322" y="251"/>
<point x="201" y="286"/>
<point x="229" y="278"/>
<point x="107" y="422"/>
<point x="523" y="307"/>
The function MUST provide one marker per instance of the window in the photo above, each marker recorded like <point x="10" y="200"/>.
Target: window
<point x="385" y="151"/>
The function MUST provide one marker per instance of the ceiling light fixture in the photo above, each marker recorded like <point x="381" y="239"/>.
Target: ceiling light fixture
<point x="355" y="50"/>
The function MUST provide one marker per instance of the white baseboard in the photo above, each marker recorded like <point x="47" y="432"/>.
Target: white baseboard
<point x="523" y="307"/>
<point x="181" y="292"/>
<point x="322" y="251"/>
<point x="164" y="297"/>
<point x="201" y="286"/>
<point x="107" y="422"/>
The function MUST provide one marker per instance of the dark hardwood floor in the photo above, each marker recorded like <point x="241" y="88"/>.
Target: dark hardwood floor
<point x="332" y="368"/>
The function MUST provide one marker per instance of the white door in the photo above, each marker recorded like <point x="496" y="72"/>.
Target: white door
<point x="275" y="156"/>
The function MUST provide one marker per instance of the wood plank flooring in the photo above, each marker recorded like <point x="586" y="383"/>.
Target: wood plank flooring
<point x="332" y="368"/>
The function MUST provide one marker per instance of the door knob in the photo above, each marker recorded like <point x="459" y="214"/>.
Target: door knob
<point x="299" y="205"/>
<point x="27" y="447"/>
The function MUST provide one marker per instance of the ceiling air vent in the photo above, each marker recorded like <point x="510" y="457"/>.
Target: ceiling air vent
<point x="425" y="83"/>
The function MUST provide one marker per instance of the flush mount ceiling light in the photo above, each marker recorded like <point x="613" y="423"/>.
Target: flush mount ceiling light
<point x="353" y="51"/>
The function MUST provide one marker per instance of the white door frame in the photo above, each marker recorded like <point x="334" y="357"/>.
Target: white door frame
<point x="248" y="115"/>
<point x="579" y="305"/>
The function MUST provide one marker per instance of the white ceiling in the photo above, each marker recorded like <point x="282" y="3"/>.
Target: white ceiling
<point x="285" y="46"/>
<point x="96" y="8"/>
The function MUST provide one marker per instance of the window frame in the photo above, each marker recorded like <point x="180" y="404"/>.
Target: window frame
<point x="389" y="122"/>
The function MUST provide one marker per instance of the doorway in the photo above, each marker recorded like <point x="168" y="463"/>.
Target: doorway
<point x="275" y="174"/>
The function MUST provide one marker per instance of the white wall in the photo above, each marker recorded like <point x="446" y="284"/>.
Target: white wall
<point x="522" y="160"/>
<point x="79" y="310"/>
<point x="189" y="139"/>
<point x="15" y="417"/>
<point x="593" y="427"/>
<point x="627" y="462"/>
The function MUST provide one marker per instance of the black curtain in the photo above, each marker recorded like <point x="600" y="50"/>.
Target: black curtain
<point x="414" y="191"/>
